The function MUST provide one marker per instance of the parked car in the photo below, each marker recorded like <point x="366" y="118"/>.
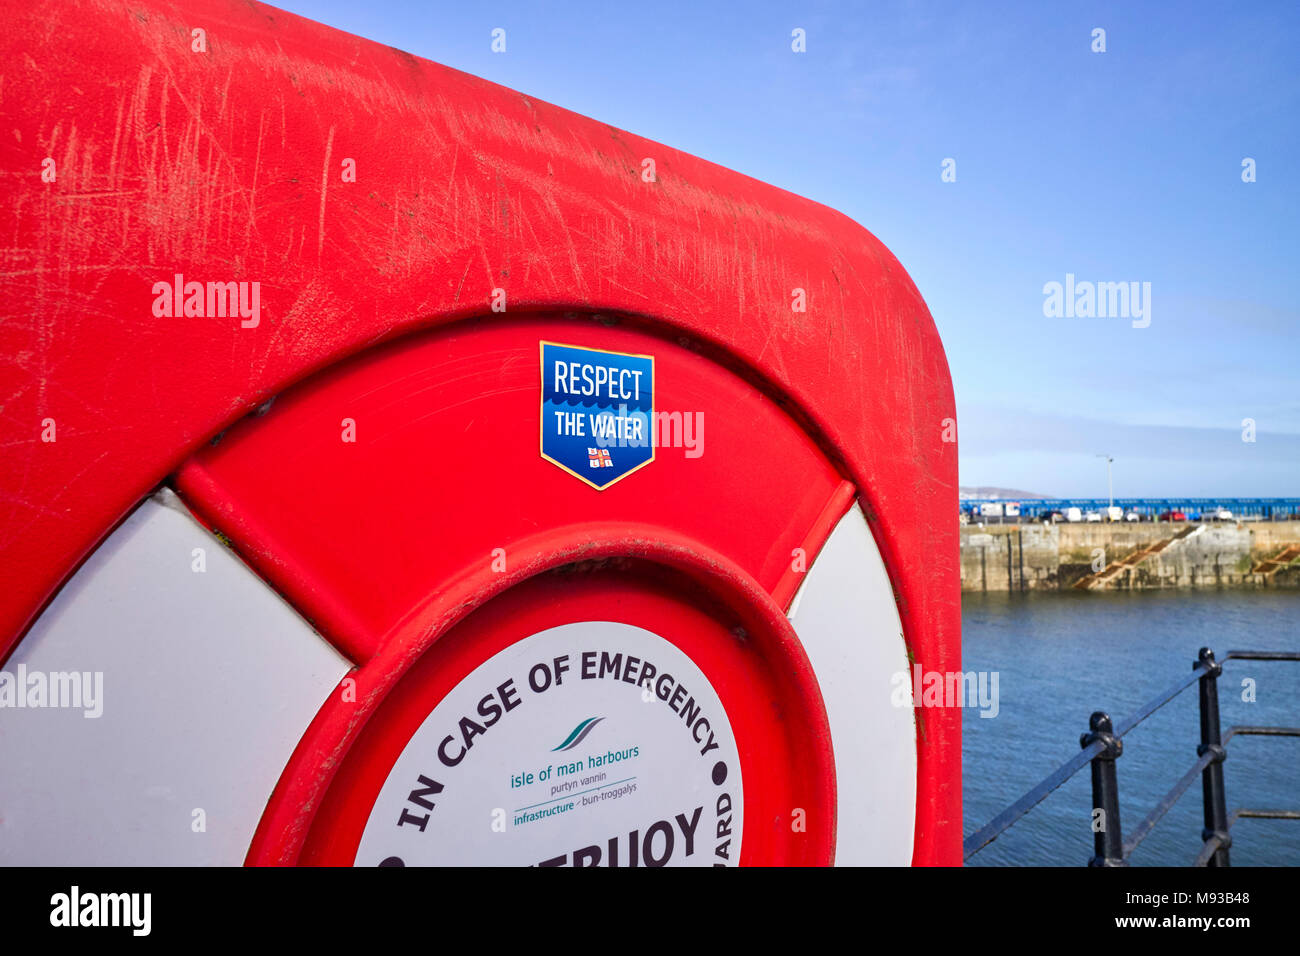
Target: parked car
<point x="1073" y="514"/>
<point x="1132" y="516"/>
<point x="1172" y="516"/>
<point x="1219" y="514"/>
<point x="1092" y="516"/>
<point x="1051" y="517"/>
<point x="1114" y="513"/>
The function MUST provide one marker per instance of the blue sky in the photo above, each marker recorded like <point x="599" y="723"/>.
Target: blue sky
<point x="1116" y="167"/>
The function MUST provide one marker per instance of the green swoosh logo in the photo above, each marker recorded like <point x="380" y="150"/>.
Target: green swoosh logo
<point x="579" y="734"/>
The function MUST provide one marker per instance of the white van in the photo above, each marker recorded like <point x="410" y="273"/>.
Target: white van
<point x="1073" y="514"/>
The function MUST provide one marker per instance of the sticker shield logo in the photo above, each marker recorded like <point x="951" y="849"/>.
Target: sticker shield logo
<point x="597" y="412"/>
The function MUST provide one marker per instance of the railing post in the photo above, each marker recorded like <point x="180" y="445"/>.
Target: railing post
<point x="1107" y="840"/>
<point x="1214" y="799"/>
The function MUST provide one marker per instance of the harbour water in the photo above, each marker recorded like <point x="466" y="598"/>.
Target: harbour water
<point x="1060" y="656"/>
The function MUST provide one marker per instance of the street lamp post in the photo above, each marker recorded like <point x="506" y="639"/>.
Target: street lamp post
<point x="1110" y="487"/>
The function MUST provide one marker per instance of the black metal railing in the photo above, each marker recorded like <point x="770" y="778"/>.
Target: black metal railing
<point x="1103" y="745"/>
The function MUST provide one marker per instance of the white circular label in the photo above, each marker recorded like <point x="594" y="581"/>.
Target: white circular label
<point x="588" y="744"/>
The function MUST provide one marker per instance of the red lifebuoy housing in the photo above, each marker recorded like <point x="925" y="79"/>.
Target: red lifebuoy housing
<point x="425" y="484"/>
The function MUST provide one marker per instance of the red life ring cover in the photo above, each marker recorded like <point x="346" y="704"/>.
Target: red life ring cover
<point x="173" y="166"/>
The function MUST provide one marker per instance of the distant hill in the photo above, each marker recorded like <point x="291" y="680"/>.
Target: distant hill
<point x="984" y="491"/>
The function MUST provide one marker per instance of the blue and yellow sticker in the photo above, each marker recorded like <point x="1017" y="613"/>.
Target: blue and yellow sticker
<point x="597" y="412"/>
